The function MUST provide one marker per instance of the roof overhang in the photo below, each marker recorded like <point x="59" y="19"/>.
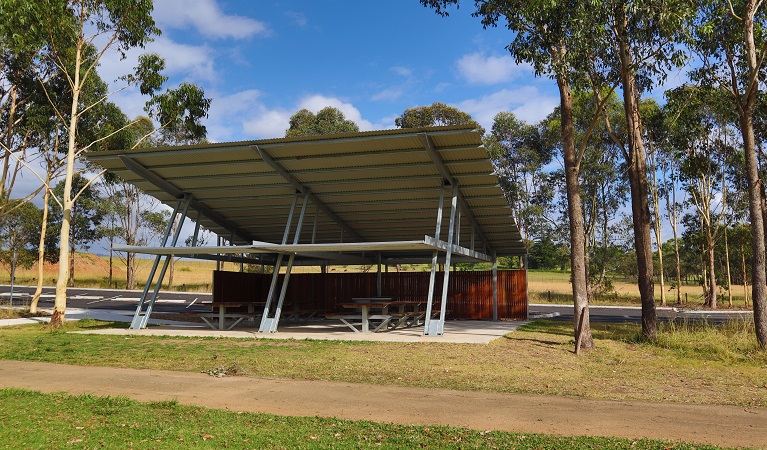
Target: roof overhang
<point x="378" y="190"/>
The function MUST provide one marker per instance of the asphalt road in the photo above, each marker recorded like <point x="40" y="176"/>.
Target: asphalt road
<point x="113" y="299"/>
<point x="634" y="313"/>
<point x="116" y="299"/>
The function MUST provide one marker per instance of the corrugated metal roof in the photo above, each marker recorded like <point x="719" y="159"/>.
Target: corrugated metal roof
<point x="384" y="185"/>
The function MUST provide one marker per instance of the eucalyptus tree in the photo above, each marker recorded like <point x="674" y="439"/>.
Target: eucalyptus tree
<point x="85" y="219"/>
<point x="700" y="138"/>
<point x="730" y="42"/>
<point x="603" y="189"/>
<point x="436" y="114"/>
<point x="548" y="35"/>
<point x="328" y="120"/>
<point x="21" y="76"/>
<point x="19" y="232"/>
<point x="75" y="35"/>
<point x="655" y="136"/>
<point x="634" y="45"/>
<point x="520" y="155"/>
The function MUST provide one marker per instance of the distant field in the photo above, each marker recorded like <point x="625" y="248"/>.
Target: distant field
<point x="190" y="275"/>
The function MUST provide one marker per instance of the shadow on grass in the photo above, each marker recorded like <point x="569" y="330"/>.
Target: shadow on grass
<point x="539" y="342"/>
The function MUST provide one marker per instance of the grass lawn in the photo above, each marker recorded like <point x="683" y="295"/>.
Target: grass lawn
<point x="34" y="420"/>
<point x="690" y="363"/>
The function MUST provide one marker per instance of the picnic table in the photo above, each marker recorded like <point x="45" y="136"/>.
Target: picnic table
<point x="222" y="315"/>
<point x="382" y="313"/>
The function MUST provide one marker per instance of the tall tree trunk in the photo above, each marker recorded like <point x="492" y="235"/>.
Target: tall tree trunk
<point x="672" y="216"/>
<point x="711" y="298"/>
<point x="130" y="271"/>
<point x="758" y="276"/>
<point x="71" y="280"/>
<point x="743" y="268"/>
<point x="41" y="248"/>
<point x="60" y="302"/>
<point x="575" y="214"/>
<point x="111" y="254"/>
<point x="637" y="174"/>
<point x="656" y="221"/>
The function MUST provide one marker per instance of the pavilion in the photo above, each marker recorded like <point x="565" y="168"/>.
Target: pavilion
<point x="426" y="195"/>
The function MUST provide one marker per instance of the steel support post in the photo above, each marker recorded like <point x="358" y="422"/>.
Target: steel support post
<point x="136" y="322"/>
<point x="433" y="276"/>
<point x="277" y="265"/>
<point x="438" y="328"/>
<point x="165" y="265"/>
<point x="378" y="275"/>
<point x="278" y="311"/>
<point x="218" y="260"/>
<point x="314" y="226"/>
<point x="458" y="225"/>
<point x="495" y="288"/>
<point x="527" y="290"/>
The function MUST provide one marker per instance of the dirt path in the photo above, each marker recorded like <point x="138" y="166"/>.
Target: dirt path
<point x="719" y="425"/>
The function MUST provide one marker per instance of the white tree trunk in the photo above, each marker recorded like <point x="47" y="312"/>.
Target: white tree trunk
<point x="41" y="248"/>
<point x="60" y="303"/>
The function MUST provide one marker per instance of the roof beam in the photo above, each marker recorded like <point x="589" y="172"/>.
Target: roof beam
<point x="267" y="158"/>
<point x="445" y="172"/>
<point x="177" y="193"/>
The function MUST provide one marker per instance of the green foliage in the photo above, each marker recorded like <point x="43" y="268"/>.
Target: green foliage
<point x="19" y="234"/>
<point x="327" y="121"/>
<point x="520" y="154"/>
<point x="437" y="114"/>
<point x="87" y="214"/>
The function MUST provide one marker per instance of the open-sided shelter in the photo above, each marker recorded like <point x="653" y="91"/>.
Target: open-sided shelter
<point x="427" y="195"/>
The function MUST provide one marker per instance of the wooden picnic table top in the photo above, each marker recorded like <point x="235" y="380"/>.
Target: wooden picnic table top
<point x="382" y="303"/>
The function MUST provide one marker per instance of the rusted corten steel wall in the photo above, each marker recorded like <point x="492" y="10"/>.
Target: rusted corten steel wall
<point x="470" y="293"/>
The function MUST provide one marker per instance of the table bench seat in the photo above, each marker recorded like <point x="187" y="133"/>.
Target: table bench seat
<point x="354" y="320"/>
<point x="235" y="317"/>
<point x="411" y="319"/>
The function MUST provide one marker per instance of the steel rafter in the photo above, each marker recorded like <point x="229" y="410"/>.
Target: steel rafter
<point x="306" y="191"/>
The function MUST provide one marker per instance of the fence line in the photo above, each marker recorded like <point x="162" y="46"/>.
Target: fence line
<point x="470" y="293"/>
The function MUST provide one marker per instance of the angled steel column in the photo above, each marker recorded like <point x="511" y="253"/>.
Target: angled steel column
<point x="274" y="322"/>
<point x="165" y="265"/>
<point x="438" y="328"/>
<point x="277" y="266"/>
<point x="136" y="322"/>
<point x="432" y="277"/>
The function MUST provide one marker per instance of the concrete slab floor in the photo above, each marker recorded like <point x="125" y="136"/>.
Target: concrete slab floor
<point x="456" y="331"/>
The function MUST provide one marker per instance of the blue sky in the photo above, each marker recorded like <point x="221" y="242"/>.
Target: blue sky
<point x="262" y="61"/>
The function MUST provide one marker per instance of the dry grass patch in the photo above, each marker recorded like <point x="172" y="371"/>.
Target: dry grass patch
<point x="536" y="359"/>
<point x="18" y="313"/>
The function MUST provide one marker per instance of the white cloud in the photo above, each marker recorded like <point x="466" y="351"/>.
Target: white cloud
<point x="188" y="61"/>
<point x="206" y="17"/>
<point x="526" y="102"/>
<point x="478" y="68"/>
<point x="389" y="94"/>
<point x="243" y="113"/>
<point x="315" y="103"/>
<point x="268" y="124"/>
<point x="298" y="18"/>
<point x="402" y="71"/>
<point x="226" y="114"/>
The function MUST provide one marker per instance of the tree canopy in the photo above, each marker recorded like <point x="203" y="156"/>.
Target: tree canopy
<point x="328" y="120"/>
